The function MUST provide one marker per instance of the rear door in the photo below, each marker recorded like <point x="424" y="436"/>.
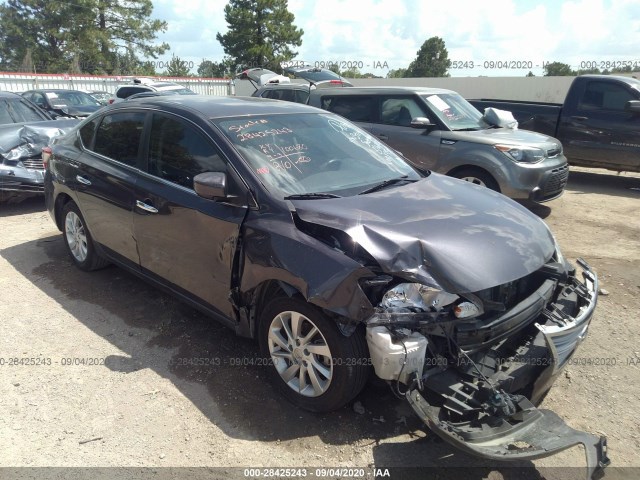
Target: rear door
<point x="185" y="240"/>
<point x="599" y="130"/>
<point x="393" y="127"/>
<point x="104" y="179"/>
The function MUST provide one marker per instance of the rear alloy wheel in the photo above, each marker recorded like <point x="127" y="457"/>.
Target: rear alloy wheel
<point x="477" y="177"/>
<point x="78" y="240"/>
<point x="311" y="362"/>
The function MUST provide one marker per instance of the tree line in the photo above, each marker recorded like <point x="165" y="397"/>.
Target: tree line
<point x="114" y="37"/>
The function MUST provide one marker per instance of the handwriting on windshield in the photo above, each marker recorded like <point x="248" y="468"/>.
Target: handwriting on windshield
<point x="243" y="126"/>
<point x="263" y="133"/>
<point x="285" y="157"/>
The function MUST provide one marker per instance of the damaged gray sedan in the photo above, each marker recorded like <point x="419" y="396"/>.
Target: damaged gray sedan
<point x="24" y="131"/>
<point x="294" y="226"/>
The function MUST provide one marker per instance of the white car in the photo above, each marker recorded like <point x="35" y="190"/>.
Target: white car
<point x="140" y="85"/>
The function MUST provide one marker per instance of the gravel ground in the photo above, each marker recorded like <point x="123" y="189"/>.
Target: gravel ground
<point x="111" y="383"/>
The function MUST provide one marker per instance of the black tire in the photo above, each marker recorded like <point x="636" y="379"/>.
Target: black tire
<point x="481" y="177"/>
<point x="90" y="261"/>
<point x="347" y="361"/>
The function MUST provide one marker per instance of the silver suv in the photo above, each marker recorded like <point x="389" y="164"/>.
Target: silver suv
<point x="140" y="85"/>
<point x="438" y="130"/>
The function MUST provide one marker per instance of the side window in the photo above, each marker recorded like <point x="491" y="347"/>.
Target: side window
<point x="605" y="96"/>
<point x="399" y="111"/>
<point x="301" y="96"/>
<point x="86" y="133"/>
<point x="118" y="136"/>
<point x="356" y="108"/>
<point x="178" y="152"/>
<point x="38" y="99"/>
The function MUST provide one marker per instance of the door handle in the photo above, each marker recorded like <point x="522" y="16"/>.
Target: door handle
<point x="579" y="118"/>
<point x="83" y="180"/>
<point x="145" y="207"/>
<point x="382" y="136"/>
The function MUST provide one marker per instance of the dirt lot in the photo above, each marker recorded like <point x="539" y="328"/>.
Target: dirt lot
<point x="130" y="396"/>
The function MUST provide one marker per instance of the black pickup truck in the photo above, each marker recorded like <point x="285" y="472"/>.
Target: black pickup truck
<point x="598" y="124"/>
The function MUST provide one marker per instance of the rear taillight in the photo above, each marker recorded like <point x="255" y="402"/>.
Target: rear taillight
<point x="46" y="155"/>
<point x="111" y="100"/>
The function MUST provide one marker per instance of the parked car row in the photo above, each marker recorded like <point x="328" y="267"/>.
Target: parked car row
<point x="298" y="228"/>
<point x="435" y="129"/>
<point x="31" y="120"/>
<point x="24" y="130"/>
<point x="598" y="123"/>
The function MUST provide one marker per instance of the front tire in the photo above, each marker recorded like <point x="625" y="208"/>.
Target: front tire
<point x="78" y="240"/>
<point x="477" y="177"/>
<point x="312" y="364"/>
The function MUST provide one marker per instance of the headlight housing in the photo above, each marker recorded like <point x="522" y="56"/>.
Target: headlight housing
<point x="415" y="297"/>
<point x="522" y="154"/>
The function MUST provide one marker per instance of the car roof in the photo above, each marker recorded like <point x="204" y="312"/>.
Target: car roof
<point x="632" y="81"/>
<point x="288" y="86"/>
<point x="220" y="107"/>
<point x="152" y="85"/>
<point x="54" y="90"/>
<point x="381" y="90"/>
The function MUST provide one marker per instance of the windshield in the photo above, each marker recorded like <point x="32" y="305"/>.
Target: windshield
<point x="313" y="153"/>
<point x="71" y="98"/>
<point x="455" y="112"/>
<point x="18" y="111"/>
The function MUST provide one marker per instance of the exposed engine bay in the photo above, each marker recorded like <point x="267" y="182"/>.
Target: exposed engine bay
<point x="474" y="366"/>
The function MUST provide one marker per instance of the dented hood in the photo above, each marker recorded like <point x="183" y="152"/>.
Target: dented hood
<point x="465" y="237"/>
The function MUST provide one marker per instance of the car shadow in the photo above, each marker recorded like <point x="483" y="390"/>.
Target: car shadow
<point x="604" y="182"/>
<point x="591" y="181"/>
<point x="20" y="205"/>
<point x="150" y="327"/>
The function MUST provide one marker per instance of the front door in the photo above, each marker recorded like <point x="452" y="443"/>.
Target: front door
<point x="186" y="240"/>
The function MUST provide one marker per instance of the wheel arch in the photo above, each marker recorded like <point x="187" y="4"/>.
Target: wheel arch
<point x="460" y="168"/>
<point x="61" y="200"/>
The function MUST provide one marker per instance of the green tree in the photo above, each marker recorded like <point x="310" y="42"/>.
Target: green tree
<point x="530" y="74"/>
<point x="177" y="68"/>
<point x="558" y="69"/>
<point x="210" y="69"/>
<point x="432" y="60"/>
<point x="88" y="35"/>
<point x="397" y="73"/>
<point x="260" y="33"/>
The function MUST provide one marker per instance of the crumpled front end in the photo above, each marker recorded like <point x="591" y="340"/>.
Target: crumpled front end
<point x="474" y="365"/>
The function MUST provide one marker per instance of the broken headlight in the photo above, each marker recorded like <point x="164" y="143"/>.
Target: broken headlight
<point x="415" y="297"/>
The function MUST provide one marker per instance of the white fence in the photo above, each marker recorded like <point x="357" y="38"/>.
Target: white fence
<point x="19" y="82"/>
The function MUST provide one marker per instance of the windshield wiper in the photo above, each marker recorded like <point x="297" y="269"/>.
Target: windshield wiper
<point x="386" y="183"/>
<point x="470" y="129"/>
<point x="311" y="196"/>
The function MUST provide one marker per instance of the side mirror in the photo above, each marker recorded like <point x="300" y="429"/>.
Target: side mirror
<point x="633" y="106"/>
<point x="211" y="185"/>
<point x="421" y="122"/>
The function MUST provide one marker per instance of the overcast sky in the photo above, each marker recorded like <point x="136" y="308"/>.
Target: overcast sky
<point x="377" y="31"/>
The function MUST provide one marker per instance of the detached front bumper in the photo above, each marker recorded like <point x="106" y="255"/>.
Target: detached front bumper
<point x="534" y="434"/>
<point x="526" y="433"/>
